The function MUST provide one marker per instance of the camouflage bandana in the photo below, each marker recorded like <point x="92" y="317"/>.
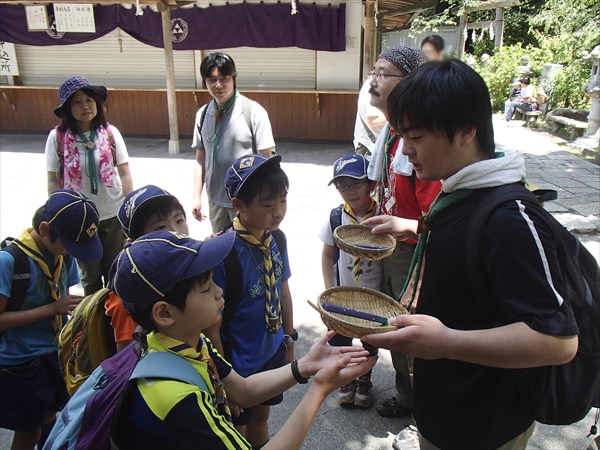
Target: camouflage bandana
<point x="404" y="58"/>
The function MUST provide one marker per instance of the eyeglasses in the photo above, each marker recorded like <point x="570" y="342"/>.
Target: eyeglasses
<point x="354" y="186"/>
<point x="382" y="76"/>
<point x="222" y="80"/>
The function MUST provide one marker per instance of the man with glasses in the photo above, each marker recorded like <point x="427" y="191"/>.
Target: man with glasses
<point x="402" y="195"/>
<point x="228" y="127"/>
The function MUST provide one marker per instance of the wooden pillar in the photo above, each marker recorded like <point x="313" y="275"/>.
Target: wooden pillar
<point x="462" y="23"/>
<point x="379" y="43"/>
<point x="499" y="27"/>
<point x="369" y="44"/>
<point x="171" y="96"/>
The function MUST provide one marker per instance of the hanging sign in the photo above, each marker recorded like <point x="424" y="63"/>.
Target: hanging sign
<point x="8" y="59"/>
<point x="71" y="18"/>
<point x="37" y="18"/>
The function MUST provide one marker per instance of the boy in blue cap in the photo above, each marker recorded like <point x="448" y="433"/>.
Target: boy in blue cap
<point x="31" y="386"/>
<point x="341" y="268"/>
<point x="257" y="332"/>
<point x="165" y="281"/>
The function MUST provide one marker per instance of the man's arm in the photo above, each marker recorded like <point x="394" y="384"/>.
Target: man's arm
<point x="514" y="346"/>
<point x="327" y="264"/>
<point x="287" y="312"/>
<point x="199" y="178"/>
<point x="126" y="180"/>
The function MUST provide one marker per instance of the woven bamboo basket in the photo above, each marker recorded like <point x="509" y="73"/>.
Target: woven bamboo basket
<point x="359" y="241"/>
<point x="360" y="299"/>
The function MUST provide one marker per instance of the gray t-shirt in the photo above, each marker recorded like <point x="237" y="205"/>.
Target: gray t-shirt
<point x="234" y="140"/>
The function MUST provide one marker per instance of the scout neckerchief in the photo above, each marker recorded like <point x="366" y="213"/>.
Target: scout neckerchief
<point x="220" y="111"/>
<point x="441" y="202"/>
<point x="27" y="244"/>
<point x="72" y="178"/>
<point x="349" y="213"/>
<point x="387" y="181"/>
<point x="273" y="305"/>
<point x="182" y="349"/>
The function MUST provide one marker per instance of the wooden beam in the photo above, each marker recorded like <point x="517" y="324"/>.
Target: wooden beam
<point x="477" y="25"/>
<point x="485" y="5"/>
<point x="369" y="40"/>
<point x="171" y="96"/>
<point x="378" y="42"/>
<point x="408" y="9"/>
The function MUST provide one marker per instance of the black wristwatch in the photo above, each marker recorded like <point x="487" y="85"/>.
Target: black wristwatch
<point x="294" y="335"/>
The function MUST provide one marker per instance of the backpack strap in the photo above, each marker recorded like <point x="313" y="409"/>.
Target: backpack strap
<point x="370" y="134"/>
<point x="247" y="111"/>
<point x="201" y="124"/>
<point x="335" y="221"/>
<point x="21" y="275"/>
<point x="166" y="365"/>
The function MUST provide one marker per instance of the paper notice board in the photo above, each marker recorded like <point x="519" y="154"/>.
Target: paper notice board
<point x="74" y="18"/>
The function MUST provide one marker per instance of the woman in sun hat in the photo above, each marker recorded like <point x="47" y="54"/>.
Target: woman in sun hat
<point x="82" y="153"/>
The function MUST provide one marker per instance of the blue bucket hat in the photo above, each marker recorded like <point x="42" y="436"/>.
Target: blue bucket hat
<point x="243" y="168"/>
<point x="74" y="218"/>
<point x="134" y="201"/>
<point x="353" y="166"/>
<point x="150" y="266"/>
<point x="72" y="85"/>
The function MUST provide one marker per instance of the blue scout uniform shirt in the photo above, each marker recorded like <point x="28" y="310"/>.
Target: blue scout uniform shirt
<point x="21" y="344"/>
<point x="172" y="414"/>
<point x="252" y="345"/>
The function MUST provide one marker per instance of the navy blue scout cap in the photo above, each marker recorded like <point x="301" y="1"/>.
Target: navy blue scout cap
<point x="243" y="168"/>
<point x="353" y="166"/>
<point x="74" y="218"/>
<point x="150" y="266"/>
<point x="134" y="201"/>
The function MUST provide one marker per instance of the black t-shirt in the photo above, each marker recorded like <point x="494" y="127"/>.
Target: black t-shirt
<point x="468" y="406"/>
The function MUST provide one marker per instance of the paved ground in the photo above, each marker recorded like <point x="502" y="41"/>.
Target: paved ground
<point x="23" y="189"/>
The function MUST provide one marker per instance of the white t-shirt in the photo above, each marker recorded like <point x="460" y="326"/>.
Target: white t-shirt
<point x="365" y="110"/>
<point x="372" y="275"/>
<point x="109" y="200"/>
<point x="234" y="140"/>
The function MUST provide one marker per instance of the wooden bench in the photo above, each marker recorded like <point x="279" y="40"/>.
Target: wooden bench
<point x="558" y="122"/>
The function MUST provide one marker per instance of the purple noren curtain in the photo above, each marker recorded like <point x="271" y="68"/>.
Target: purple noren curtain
<point x="264" y="25"/>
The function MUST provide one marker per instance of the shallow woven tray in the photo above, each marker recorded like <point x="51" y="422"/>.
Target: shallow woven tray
<point x="360" y="299"/>
<point x="348" y="236"/>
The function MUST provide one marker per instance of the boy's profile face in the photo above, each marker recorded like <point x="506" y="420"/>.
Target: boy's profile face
<point x="262" y="213"/>
<point x="354" y="192"/>
<point x="56" y="247"/>
<point x="203" y="307"/>
<point x="433" y="156"/>
<point x="174" y="221"/>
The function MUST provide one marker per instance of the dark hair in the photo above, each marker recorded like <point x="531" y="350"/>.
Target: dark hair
<point x="525" y="80"/>
<point x="69" y="122"/>
<point x="222" y="61"/>
<point x="265" y="182"/>
<point x="435" y="40"/>
<point x="37" y="220"/>
<point x="176" y="296"/>
<point x="433" y="97"/>
<point x="161" y="206"/>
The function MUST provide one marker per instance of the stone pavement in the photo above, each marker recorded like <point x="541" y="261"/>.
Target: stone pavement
<point x="23" y="189"/>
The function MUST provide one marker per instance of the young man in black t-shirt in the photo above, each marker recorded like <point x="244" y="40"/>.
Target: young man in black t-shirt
<point x="472" y="389"/>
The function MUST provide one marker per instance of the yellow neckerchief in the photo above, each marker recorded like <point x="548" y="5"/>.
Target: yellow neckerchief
<point x="352" y="217"/>
<point x="27" y="244"/>
<point x="180" y="348"/>
<point x="273" y="305"/>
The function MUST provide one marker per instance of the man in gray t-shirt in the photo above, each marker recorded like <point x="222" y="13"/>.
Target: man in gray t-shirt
<point x="241" y="127"/>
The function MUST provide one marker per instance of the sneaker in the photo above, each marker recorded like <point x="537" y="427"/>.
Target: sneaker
<point x="364" y="392"/>
<point x="346" y="393"/>
<point x="391" y="408"/>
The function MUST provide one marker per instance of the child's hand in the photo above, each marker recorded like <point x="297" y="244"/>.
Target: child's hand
<point x="321" y="355"/>
<point x="235" y="409"/>
<point x="401" y="229"/>
<point x="67" y="305"/>
<point x="340" y="371"/>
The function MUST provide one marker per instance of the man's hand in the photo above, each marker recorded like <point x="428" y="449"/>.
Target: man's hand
<point x="66" y="305"/>
<point x="418" y="335"/>
<point x="322" y="355"/>
<point x="401" y="229"/>
<point x="197" y="210"/>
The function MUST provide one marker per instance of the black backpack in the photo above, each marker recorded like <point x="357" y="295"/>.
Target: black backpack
<point x="233" y="277"/>
<point x="570" y="390"/>
<point x="21" y="274"/>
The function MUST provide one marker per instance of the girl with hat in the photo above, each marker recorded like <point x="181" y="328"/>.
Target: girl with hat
<point x="82" y="153"/>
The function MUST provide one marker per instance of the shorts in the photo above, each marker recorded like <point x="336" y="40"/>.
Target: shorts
<point x="29" y="390"/>
<point x="278" y="360"/>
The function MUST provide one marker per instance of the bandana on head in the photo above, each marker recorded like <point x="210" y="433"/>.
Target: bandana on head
<point x="404" y="58"/>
